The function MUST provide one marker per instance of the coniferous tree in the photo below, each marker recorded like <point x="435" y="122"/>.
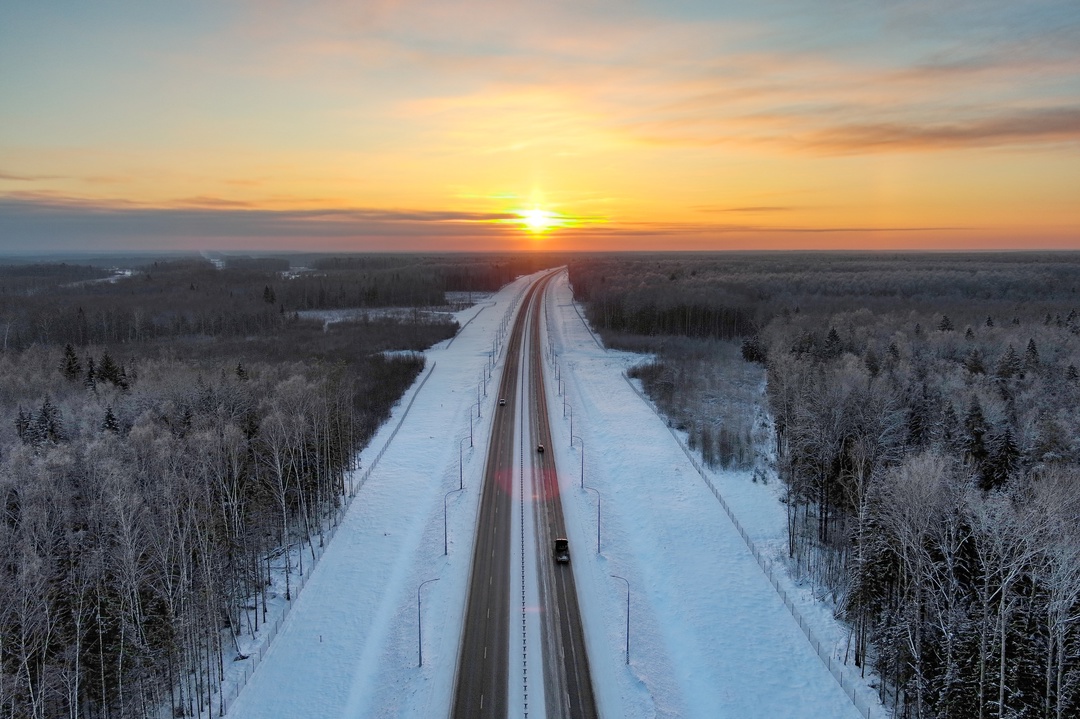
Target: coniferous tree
<point x="47" y="425"/>
<point x="989" y="321"/>
<point x="1071" y="373"/>
<point x="974" y="363"/>
<point x="945" y="325"/>
<point x="90" y="380"/>
<point x="919" y="422"/>
<point x="108" y="370"/>
<point x="1031" y="355"/>
<point x="110" y="423"/>
<point x="832" y="344"/>
<point x="946" y="432"/>
<point x="1009" y="364"/>
<point x="975" y="439"/>
<point x="1002" y="459"/>
<point x="70" y="368"/>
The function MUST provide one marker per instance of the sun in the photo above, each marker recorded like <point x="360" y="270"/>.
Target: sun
<point x="538" y="221"/>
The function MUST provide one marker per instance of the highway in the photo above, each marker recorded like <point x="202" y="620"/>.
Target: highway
<point x="567" y="683"/>
<point x="481" y="686"/>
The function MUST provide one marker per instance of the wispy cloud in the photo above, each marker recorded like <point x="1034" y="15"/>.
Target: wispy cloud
<point x="62" y="223"/>
<point x="1050" y="125"/>
<point x="750" y="209"/>
<point x="227" y="212"/>
<point x="14" y="177"/>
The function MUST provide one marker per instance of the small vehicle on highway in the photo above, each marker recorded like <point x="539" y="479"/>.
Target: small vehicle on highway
<point x="540" y="448"/>
<point x="502" y="402"/>
<point x="562" y="550"/>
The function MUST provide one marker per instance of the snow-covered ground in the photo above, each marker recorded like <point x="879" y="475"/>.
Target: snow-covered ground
<point x="709" y="635"/>
<point x="459" y="305"/>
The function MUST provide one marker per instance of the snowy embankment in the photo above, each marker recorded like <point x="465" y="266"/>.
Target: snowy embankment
<point x="709" y="636"/>
<point x="348" y="647"/>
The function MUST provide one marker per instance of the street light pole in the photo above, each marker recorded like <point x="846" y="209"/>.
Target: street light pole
<point x="571" y="425"/>
<point x="579" y="439"/>
<point x="419" y="625"/>
<point x="460" y="471"/>
<point x="445" y="544"/>
<point x="471" y="417"/>
<point x="593" y="489"/>
<point x="627" y="615"/>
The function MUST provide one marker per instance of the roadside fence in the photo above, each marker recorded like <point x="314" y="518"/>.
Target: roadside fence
<point x="232" y="686"/>
<point x="826" y="652"/>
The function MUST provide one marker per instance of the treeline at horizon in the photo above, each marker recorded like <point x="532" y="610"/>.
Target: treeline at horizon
<point x="49" y="304"/>
<point x="925" y="415"/>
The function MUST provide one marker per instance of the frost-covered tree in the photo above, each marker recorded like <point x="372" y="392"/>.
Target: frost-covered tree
<point x="71" y="368"/>
<point x="1031" y="355"/>
<point x="1009" y="365"/>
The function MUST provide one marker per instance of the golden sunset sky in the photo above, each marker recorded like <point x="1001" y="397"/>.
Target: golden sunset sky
<point x="585" y="125"/>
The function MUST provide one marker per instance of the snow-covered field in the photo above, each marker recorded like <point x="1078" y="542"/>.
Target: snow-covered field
<point x="459" y="305"/>
<point x="709" y="635"/>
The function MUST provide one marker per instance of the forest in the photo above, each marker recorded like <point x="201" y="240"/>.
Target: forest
<point x="174" y="438"/>
<point x="924" y="416"/>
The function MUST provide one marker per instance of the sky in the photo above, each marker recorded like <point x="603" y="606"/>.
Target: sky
<point x="393" y="125"/>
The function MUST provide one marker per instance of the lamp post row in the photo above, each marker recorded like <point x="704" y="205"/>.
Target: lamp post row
<point x="461" y="486"/>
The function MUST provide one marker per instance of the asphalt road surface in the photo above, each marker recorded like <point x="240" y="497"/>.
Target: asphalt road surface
<point x="568" y="690"/>
<point x="482" y="669"/>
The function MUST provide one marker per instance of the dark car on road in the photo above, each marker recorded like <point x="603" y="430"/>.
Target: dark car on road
<point x="562" y="550"/>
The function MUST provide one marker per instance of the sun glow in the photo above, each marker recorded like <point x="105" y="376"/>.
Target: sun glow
<point x="538" y="221"/>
